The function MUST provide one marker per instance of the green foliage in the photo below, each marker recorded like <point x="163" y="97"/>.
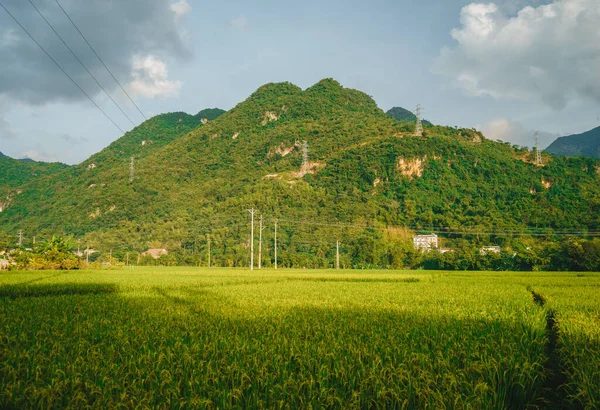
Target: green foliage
<point x="366" y="172"/>
<point x="212" y="338"/>
<point x="14" y="172"/>
<point x="403" y="115"/>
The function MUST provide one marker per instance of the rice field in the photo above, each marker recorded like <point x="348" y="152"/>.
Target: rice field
<point x="218" y="338"/>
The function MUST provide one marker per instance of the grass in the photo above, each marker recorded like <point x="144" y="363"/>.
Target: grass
<point x="218" y="338"/>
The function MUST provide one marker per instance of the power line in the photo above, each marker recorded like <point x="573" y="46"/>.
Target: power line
<point x="81" y="62"/>
<point x="61" y="69"/>
<point x="107" y="69"/>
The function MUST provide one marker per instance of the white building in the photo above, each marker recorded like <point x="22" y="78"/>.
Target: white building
<point x="425" y="242"/>
<point x="490" y="249"/>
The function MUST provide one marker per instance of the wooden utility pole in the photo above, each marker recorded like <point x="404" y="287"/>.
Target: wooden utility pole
<point x="260" y="228"/>
<point x="252" y="212"/>
<point x="275" y="243"/>
<point x="87" y="254"/>
<point x="209" y="250"/>
<point x="20" y="237"/>
<point x="337" y="254"/>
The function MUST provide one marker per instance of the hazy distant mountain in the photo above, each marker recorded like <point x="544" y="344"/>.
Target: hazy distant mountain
<point x="2" y="155"/>
<point x="585" y="145"/>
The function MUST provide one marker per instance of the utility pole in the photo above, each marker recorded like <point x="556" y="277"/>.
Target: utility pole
<point x="127" y="259"/>
<point x="87" y="254"/>
<point x="260" y="243"/>
<point x="337" y="254"/>
<point x="78" y="247"/>
<point x="20" y="237"/>
<point x="538" y="154"/>
<point x="419" y="126"/>
<point x="275" y="243"/>
<point x="131" y="170"/>
<point x="209" y="250"/>
<point x="252" y="212"/>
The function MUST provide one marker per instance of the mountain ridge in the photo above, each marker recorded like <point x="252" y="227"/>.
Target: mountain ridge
<point x="586" y="144"/>
<point x="364" y="168"/>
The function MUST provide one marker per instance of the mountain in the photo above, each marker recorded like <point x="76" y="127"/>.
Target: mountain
<point x="140" y="142"/>
<point x="15" y="172"/>
<point x="585" y="145"/>
<point x="403" y="115"/>
<point x="151" y="136"/>
<point x="365" y="171"/>
<point x="2" y="155"/>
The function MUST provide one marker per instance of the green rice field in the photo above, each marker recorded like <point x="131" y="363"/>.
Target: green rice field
<point x="220" y="338"/>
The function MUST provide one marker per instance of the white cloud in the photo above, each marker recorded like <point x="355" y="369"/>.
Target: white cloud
<point x="240" y="23"/>
<point x="181" y="8"/>
<point x="150" y="78"/>
<point x="45" y="156"/>
<point x="515" y="133"/>
<point x="549" y="53"/>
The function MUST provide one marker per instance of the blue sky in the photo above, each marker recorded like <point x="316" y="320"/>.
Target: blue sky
<point x="509" y="67"/>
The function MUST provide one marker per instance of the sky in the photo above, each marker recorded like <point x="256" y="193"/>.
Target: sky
<point x="508" y="68"/>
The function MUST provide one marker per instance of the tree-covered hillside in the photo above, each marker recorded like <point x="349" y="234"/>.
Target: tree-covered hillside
<point x="403" y="115"/>
<point x="585" y="145"/>
<point x="368" y="183"/>
<point x="15" y="172"/>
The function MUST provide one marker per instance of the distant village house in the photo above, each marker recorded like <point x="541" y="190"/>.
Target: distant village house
<point x="425" y="242"/>
<point x="155" y="253"/>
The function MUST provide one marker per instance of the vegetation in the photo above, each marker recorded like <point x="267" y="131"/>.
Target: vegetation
<point x="15" y="173"/>
<point x="585" y="145"/>
<point x="574" y="304"/>
<point x="369" y="184"/>
<point x="403" y="115"/>
<point x="229" y="338"/>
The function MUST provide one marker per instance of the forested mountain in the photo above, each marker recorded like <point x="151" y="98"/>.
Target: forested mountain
<point x="585" y="145"/>
<point x="16" y="172"/>
<point x="368" y="183"/>
<point x="403" y="115"/>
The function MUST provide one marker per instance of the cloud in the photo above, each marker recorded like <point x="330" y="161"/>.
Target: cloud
<point x="181" y="8"/>
<point x="515" y="133"/>
<point x="45" y="156"/>
<point x="118" y="30"/>
<point x="150" y="75"/>
<point x="240" y="23"/>
<point x="549" y="53"/>
<point x="73" y="140"/>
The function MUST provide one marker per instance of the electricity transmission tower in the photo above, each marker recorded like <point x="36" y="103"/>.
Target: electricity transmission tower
<point x="305" y="166"/>
<point x="252" y="212"/>
<point x="419" y="126"/>
<point x="131" y="170"/>
<point x="538" y="154"/>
